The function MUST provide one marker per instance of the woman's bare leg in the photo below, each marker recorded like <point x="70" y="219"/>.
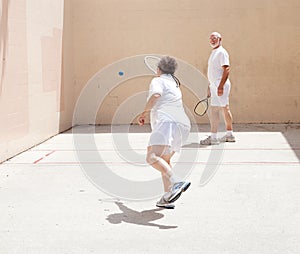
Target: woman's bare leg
<point x="161" y="162"/>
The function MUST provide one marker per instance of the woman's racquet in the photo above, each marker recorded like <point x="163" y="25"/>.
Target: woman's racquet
<point x="152" y="62"/>
<point x="201" y="107"/>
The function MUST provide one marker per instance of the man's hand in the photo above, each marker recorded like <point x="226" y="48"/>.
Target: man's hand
<point x="208" y="93"/>
<point x="220" y="90"/>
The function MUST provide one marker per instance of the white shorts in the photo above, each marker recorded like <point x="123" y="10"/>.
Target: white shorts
<point x="219" y="101"/>
<point x="169" y="134"/>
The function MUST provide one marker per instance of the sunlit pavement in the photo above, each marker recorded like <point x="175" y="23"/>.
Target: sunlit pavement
<point x="244" y="196"/>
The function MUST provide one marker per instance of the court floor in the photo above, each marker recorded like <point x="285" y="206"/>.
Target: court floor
<point x="89" y="190"/>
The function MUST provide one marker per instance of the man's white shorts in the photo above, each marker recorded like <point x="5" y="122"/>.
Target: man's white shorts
<point x="219" y="101"/>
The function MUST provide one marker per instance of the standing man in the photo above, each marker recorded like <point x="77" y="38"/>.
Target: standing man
<point x="218" y="90"/>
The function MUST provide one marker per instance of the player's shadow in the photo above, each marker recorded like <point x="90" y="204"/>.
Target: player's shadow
<point x="193" y="145"/>
<point x="143" y="218"/>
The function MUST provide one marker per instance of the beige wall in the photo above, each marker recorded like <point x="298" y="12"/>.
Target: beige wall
<point x="261" y="36"/>
<point x="51" y="49"/>
<point x="31" y="45"/>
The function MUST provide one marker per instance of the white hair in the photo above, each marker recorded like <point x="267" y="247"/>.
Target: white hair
<point x="167" y="65"/>
<point x="218" y="35"/>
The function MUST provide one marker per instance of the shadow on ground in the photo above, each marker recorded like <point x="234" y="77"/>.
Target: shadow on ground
<point x="143" y="218"/>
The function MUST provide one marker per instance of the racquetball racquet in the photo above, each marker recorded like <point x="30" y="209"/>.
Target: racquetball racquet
<point x="151" y="62"/>
<point x="201" y="107"/>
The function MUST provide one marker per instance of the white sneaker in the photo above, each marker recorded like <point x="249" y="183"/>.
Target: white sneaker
<point x="176" y="190"/>
<point x="228" y="138"/>
<point x="162" y="203"/>
<point x="209" y="141"/>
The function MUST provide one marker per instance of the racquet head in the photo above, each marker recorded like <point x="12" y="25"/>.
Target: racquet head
<point x="152" y="62"/>
<point x="201" y="107"/>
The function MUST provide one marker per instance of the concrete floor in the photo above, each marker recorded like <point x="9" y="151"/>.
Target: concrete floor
<point x="89" y="191"/>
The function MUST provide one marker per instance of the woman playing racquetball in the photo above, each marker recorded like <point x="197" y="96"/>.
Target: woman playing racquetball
<point x="170" y="128"/>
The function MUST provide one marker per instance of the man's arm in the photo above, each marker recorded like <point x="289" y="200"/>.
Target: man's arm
<point x="225" y="75"/>
<point x="208" y="92"/>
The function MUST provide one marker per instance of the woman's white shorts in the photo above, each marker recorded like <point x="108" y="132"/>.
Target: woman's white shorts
<point x="169" y="134"/>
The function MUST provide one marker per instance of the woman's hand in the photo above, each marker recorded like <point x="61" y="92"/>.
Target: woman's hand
<point x="149" y="105"/>
<point x="141" y="119"/>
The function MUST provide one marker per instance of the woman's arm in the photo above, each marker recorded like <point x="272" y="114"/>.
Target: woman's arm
<point x="149" y="105"/>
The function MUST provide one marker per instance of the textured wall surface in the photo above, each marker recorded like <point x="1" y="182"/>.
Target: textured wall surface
<point x="261" y="37"/>
<point x="51" y="49"/>
<point x="31" y="55"/>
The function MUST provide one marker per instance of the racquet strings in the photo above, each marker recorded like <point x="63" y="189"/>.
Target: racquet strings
<point x="201" y="107"/>
<point x="152" y="63"/>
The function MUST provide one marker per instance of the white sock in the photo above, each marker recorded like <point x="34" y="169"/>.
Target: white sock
<point x="174" y="179"/>
<point x="213" y="135"/>
<point x="229" y="133"/>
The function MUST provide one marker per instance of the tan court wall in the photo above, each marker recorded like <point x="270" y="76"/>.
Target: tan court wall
<point x="262" y="37"/>
<point x="46" y="42"/>
<point x="30" y="73"/>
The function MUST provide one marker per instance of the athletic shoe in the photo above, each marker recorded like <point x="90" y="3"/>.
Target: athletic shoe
<point x="228" y="138"/>
<point x="162" y="203"/>
<point x="176" y="190"/>
<point x="209" y="141"/>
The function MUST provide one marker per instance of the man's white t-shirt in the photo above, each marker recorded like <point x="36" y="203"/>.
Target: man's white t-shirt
<point x="218" y="58"/>
<point x="169" y="106"/>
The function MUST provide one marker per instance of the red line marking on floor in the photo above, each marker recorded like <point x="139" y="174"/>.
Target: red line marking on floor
<point x="199" y="148"/>
<point x="37" y="161"/>
<point x="40" y="159"/>
<point x="142" y="163"/>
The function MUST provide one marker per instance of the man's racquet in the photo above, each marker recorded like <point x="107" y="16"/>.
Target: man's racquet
<point x="201" y="107"/>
